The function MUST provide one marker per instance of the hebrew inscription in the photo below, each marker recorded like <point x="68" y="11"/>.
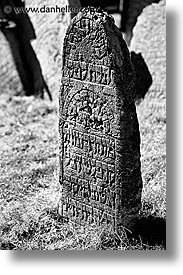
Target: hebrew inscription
<point x="99" y="135"/>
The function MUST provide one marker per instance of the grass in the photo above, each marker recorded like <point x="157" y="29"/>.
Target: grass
<point x="29" y="188"/>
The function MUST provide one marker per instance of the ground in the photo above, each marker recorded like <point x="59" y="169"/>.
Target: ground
<point x="29" y="186"/>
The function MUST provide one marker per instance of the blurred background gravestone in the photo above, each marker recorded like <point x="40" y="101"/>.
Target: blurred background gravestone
<point x="149" y="39"/>
<point x="50" y="30"/>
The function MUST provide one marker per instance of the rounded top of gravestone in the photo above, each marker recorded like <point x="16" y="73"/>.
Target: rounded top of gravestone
<point x="93" y="38"/>
<point x="97" y="16"/>
<point x="92" y="31"/>
<point x="97" y="13"/>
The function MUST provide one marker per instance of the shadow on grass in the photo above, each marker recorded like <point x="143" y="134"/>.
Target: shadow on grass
<point x="151" y="230"/>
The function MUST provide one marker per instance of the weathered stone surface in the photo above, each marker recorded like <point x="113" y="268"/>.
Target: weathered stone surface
<point x="50" y="30"/>
<point x="99" y="133"/>
<point x="150" y="40"/>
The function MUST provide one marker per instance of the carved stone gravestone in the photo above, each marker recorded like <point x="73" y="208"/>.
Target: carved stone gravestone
<point x="99" y="133"/>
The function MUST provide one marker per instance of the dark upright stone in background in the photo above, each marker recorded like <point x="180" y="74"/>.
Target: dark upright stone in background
<point x="99" y="133"/>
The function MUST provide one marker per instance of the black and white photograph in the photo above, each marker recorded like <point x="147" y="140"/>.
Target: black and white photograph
<point x="83" y="125"/>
